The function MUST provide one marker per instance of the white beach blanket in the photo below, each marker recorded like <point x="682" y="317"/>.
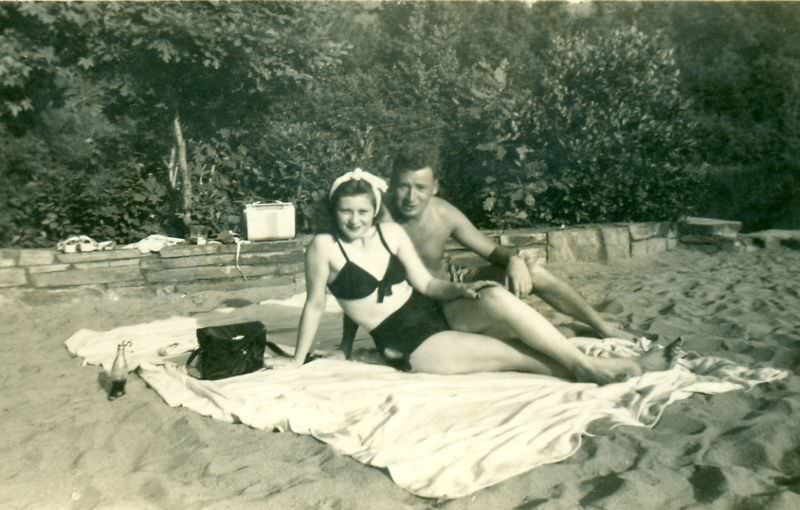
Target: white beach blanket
<point x="438" y="436"/>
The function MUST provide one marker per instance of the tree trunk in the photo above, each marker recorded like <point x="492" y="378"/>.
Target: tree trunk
<point x="186" y="178"/>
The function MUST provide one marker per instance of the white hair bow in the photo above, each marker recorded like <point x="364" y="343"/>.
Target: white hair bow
<point x="377" y="184"/>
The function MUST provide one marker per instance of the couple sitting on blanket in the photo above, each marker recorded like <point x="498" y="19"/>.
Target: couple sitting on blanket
<point x="380" y="274"/>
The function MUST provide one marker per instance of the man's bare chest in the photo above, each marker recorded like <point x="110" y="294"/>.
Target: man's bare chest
<point x="429" y="240"/>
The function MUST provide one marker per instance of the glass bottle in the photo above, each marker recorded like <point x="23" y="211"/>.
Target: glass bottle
<point x="119" y="373"/>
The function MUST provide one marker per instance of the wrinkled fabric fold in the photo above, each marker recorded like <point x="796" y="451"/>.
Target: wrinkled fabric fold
<point x="438" y="436"/>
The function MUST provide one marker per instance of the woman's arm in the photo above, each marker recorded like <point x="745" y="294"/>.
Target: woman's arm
<point x="317" y="271"/>
<point x="422" y="280"/>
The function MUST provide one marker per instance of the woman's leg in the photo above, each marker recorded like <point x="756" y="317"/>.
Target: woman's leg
<point x="498" y="312"/>
<point x="456" y="352"/>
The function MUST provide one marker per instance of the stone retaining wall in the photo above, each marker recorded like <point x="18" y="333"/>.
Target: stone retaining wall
<point x="280" y="263"/>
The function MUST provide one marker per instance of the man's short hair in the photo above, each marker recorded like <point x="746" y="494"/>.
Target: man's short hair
<point x="415" y="156"/>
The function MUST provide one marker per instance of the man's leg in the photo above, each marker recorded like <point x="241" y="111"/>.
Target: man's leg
<point x="556" y="293"/>
<point x="564" y="298"/>
<point x="500" y="314"/>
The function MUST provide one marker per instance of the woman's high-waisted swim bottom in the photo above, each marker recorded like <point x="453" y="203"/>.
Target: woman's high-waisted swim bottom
<point x="403" y="331"/>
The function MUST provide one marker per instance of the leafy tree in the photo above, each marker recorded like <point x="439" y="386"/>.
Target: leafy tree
<point x="546" y="113"/>
<point x="121" y="73"/>
<point x="606" y="135"/>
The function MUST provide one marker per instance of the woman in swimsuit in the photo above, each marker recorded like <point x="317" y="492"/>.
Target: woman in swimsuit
<point x="379" y="281"/>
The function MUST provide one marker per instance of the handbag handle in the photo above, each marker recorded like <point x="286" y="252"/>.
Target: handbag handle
<point x="280" y="352"/>
<point x="192" y="356"/>
<point x="272" y="346"/>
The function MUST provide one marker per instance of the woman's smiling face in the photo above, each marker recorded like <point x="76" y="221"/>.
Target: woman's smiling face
<point x="355" y="215"/>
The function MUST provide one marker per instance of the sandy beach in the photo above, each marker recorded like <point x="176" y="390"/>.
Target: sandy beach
<point x="65" y="446"/>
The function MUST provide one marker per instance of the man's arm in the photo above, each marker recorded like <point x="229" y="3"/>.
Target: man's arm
<point x="517" y="274"/>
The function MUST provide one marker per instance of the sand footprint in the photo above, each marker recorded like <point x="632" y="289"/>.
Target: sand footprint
<point x="601" y="487"/>
<point x="327" y="504"/>
<point x="708" y="483"/>
<point x="682" y="424"/>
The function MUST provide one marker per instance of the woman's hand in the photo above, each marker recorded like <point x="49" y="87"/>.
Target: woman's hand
<point x="470" y="290"/>
<point x="281" y="363"/>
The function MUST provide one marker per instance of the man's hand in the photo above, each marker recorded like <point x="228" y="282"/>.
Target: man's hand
<point x="281" y="363"/>
<point x="470" y="290"/>
<point x="518" y="278"/>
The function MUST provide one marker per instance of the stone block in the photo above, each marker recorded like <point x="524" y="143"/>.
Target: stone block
<point x="82" y="277"/>
<point x="467" y="258"/>
<point x="575" y="245"/>
<point x="225" y="259"/>
<point x="708" y="227"/>
<point x="292" y="269"/>
<point x="616" y="243"/>
<point x="8" y="257"/>
<point x="453" y="245"/>
<point x="774" y="238"/>
<point x="534" y="252"/>
<point x="640" y="231"/>
<point x="269" y="287"/>
<point x="649" y="246"/>
<point x="523" y="237"/>
<point x="13" y="277"/>
<point x="35" y="257"/>
<point x="672" y="231"/>
<point x="52" y="268"/>
<point x="88" y="266"/>
<point x="121" y="290"/>
<point x="100" y="255"/>
<point x="52" y="295"/>
<point x="712" y="244"/>
<point x="672" y="243"/>
<point x="185" y="250"/>
<point x="188" y="274"/>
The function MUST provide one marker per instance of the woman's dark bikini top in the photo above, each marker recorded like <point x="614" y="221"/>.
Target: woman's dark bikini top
<point x="354" y="282"/>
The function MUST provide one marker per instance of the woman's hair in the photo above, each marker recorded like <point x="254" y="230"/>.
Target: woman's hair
<point x="350" y="189"/>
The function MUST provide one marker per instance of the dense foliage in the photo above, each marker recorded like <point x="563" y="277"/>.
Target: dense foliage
<point x="122" y="119"/>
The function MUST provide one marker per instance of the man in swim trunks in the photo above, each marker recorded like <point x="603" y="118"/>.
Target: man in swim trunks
<point x="431" y="221"/>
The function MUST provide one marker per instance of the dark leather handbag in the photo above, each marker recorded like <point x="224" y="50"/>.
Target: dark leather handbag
<point x="228" y="351"/>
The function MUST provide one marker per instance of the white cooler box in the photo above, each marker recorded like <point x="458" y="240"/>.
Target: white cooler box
<point x="274" y="220"/>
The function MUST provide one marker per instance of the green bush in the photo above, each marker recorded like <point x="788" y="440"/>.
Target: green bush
<point x="607" y="135"/>
<point x="546" y="113"/>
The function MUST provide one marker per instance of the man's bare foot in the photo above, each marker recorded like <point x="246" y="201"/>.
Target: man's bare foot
<point x="660" y="357"/>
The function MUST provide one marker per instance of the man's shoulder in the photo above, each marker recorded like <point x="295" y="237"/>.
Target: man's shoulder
<point x="445" y="211"/>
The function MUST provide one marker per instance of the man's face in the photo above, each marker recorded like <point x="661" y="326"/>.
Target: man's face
<point x="413" y="190"/>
